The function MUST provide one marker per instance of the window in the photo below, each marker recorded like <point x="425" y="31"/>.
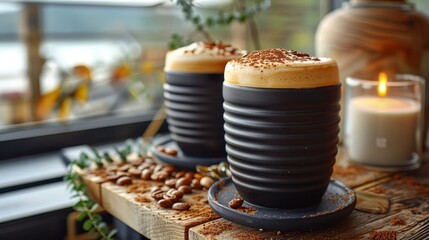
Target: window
<point x="123" y="43"/>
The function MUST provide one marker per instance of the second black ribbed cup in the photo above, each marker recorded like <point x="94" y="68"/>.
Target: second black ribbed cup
<point x="193" y="97"/>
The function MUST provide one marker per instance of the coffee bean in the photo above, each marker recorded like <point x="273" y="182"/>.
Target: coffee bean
<point x="159" y="176"/>
<point x="178" y="193"/>
<point x="146" y="174"/>
<point x="124" y="168"/>
<point x="183" y="181"/>
<point x="236" y="202"/>
<point x="173" y="195"/>
<point x="198" y="175"/>
<point x="171" y="151"/>
<point x="185" y="189"/>
<point x="189" y="175"/>
<point x="169" y="169"/>
<point x="111" y="168"/>
<point x="124" y="180"/>
<point x="165" y="203"/>
<point x="154" y="189"/>
<point x="158" y="168"/>
<point x="113" y="177"/>
<point x="181" y="206"/>
<point x="160" y="149"/>
<point x="206" y="182"/>
<point x="157" y="195"/>
<point x="195" y="184"/>
<point x="179" y="174"/>
<point x="146" y="165"/>
<point x="170" y="182"/>
<point x="134" y="172"/>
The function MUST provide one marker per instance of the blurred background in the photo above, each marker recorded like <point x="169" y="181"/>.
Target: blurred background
<point x="78" y="72"/>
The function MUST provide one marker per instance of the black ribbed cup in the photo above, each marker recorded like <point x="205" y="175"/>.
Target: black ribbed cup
<point x="194" y="113"/>
<point x="281" y="143"/>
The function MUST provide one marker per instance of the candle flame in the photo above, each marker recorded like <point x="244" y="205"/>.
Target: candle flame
<point x="382" y="82"/>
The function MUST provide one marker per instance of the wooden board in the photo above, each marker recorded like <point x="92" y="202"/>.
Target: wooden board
<point x="408" y="194"/>
<point x="139" y="211"/>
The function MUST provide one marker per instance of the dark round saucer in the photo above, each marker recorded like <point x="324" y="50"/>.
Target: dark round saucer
<point x="180" y="160"/>
<point x="337" y="203"/>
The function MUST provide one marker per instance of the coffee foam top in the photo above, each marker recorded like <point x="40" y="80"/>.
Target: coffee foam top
<point x="281" y="68"/>
<point x="201" y="57"/>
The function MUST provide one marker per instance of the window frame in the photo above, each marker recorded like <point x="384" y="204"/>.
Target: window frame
<point x="21" y="141"/>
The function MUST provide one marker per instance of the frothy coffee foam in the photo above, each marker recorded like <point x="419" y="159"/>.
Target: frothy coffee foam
<point x="201" y="57"/>
<point x="281" y="68"/>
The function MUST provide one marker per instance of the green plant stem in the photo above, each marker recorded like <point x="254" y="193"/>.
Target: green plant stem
<point x="90" y="216"/>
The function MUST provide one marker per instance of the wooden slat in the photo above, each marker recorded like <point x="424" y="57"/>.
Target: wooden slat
<point x="140" y="211"/>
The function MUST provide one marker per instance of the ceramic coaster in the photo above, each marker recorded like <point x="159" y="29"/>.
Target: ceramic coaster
<point x="180" y="160"/>
<point x="337" y="203"/>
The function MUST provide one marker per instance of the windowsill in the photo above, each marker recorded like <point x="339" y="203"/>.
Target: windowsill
<point x="30" y="170"/>
<point x="33" y="201"/>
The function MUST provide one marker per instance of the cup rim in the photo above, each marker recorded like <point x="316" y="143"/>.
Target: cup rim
<point x="402" y="80"/>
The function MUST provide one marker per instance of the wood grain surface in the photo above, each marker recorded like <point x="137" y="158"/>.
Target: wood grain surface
<point x="407" y="216"/>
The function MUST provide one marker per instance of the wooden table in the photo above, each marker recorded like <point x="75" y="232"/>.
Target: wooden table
<point x="407" y="218"/>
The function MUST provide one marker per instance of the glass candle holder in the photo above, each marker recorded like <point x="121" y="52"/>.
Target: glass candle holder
<point x="384" y="122"/>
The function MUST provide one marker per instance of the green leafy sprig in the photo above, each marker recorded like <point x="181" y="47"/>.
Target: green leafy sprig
<point x="240" y="14"/>
<point x="87" y="208"/>
<point x="93" y="222"/>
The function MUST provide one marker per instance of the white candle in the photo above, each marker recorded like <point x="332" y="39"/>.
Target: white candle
<point x="382" y="130"/>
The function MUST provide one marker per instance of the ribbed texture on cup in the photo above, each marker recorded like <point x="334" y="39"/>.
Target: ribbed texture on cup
<point x="194" y="113"/>
<point x="281" y="143"/>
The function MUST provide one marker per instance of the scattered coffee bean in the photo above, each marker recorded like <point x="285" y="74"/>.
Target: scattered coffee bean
<point x="158" y="194"/>
<point x="168" y="168"/>
<point x="154" y="189"/>
<point x="173" y="195"/>
<point x="112" y="178"/>
<point x="185" y="189"/>
<point x="111" y="168"/>
<point x="124" y="180"/>
<point x="158" y="168"/>
<point x="124" y="168"/>
<point x="146" y="174"/>
<point x="165" y="203"/>
<point x="171" y="151"/>
<point x="159" y="176"/>
<point x="181" y="206"/>
<point x="189" y="175"/>
<point x="170" y="182"/>
<point x="198" y="175"/>
<point x="183" y="181"/>
<point x="206" y="182"/>
<point x="236" y="202"/>
<point x="195" y="184"/>
<point x="179" y="174"/>
<point x="160" y="149"/>
<point x="134" y="172"/>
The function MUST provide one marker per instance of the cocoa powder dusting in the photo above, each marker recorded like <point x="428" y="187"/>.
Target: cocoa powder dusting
<point x="248" y="210"/>
<point x="139" y="187"/>
<point x="383" y="235"/>
<point x="396" y="221"/>
<point x="273" y="56"/>
<point x="248" y="236"/>
<point x="413" y="183"/>
<point x="215" y="228"/>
